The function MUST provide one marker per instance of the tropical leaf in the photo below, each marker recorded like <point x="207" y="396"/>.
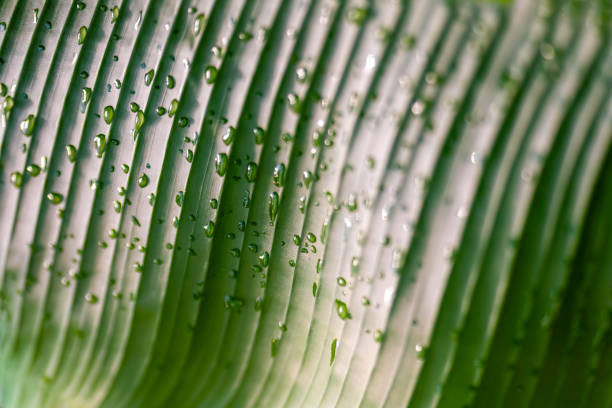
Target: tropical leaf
<point x="307" y="203"/>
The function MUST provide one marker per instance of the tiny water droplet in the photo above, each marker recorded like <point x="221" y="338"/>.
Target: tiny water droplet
<point x="332" y="357"/>
<point x="264" y="259"/>
<point x="251" y="172"/>
<point x="100" y="144"/>
<point x="143" y="180"/>
<point x="148" y="78"/>
<point x="221" y="162"/>
<point x="357" y="15"/>
<point x="228" y="137"/>
<point x="258" y="133"/>
<point x="173" y="107"/>
<point x="294" y="102"/>
<point x="82" y="34"/>
<point x="16" y="179"/>
<point x="27" y="125"/>
<point x="342" y="310"/>
<point x="210" y="74"/>
<point x="170" y="82"/>
<point x="115" y="13"/>
<point x="71" y="152"/>
<point x="274" y="348"/>
<point x="273" y="204"/>
<point x="140" y="119"/>
<point x="198" y="23"/>
<point x="209" y="229"/>
<point x="55" y="198"/>
<point x="33" y="169"/>
<point x="234" y="303"/>
<point x="109" y="112"/>
<point x="308" y="178"/>
<point x="278" y="176"/>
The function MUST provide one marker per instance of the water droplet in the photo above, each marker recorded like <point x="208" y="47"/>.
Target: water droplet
<point x="210" y="74"/>
<point x="311" y="237"/>
<point x="273" y="204"/>
<point x="258" y="132"/>
<point x="251" y="172"/>
<point x="234" y="303"/>
<point x="179" y="198"/>
<point x="143" y="180"/>
<point x="100" y="144"/>
<point x="170" y="82"/>
<point x="228" y="137"/>
<point x="33" y="169"/>
<point x="109" y="112"/>
<point x="355" y="265"/>
<point x="351" y="203"/>
<point x="71" y="152"/>
<point x="198" y="23"/>
<point x="173" y="107"/>
<point x="274" y="348"/>
<point x="55" y="198"/>
<point x="221" y="162"/>
<point x="140" y="119"/>
<point x="16" y="179"/>
<point x="378" y="335"/>
<point x="148" y="78"/>
<point x="342" y="310"/>
<point x="278" y="176"/>
<point x="307" y="178"/>
<point x="294" y="102"/>
<point x="82" y="34"/>
<point x="209" y="229"/>
<point x="264" y="259"/>
<point x="341" y="281"/>
<point x="115" y="13"/>
<point x="332" y="357"/>
<point x="301" y="74"/>
<point x="91" y="298"/>
<point x="27" y="125"/>
<point x="258" y="303"/>
<point x="357" y="15"/>
<point x="160" y="110"/>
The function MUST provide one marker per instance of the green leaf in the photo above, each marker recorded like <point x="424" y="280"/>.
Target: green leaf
<point x="305" y="203"/>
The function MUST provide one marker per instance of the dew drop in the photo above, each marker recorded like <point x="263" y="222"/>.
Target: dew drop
<point x="27" y="125"/>
<point x="210" y="74"/>
<point x="71" y="152"/>
<point x="148" y="78"/>
<point x="273" y="204"/>
<point x="16" y="179"/>
<point x="251" y="172"/>
<point x="198" y="23"/>
<point x="82" y="34"/>
<point x="100" y="144"/>
<point x="55" y="198"/>
<point x="143" y="180"/>
<point x="221" y="162"/>
<point x="109" y="112"/>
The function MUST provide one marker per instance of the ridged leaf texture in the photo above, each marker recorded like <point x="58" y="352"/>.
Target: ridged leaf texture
<point x="305" y="203"/>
